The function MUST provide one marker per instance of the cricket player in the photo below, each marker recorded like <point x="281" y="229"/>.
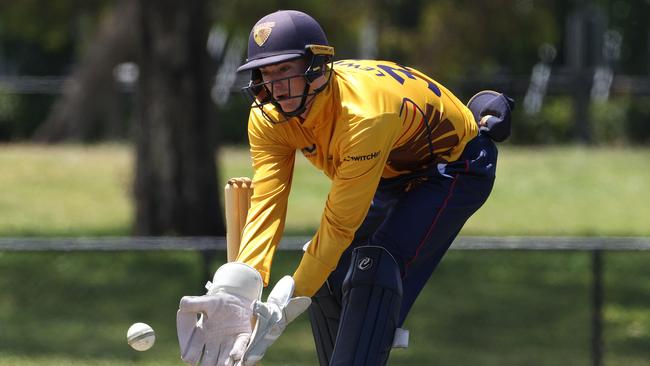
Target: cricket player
<point x="409" y="164"/>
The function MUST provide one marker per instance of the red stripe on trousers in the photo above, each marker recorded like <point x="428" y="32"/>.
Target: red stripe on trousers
<point x="435" y="220"/>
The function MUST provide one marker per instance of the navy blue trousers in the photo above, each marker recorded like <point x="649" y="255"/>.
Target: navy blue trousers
<point x="416" y="217"/>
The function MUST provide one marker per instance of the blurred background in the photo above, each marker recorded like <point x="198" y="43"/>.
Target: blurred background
<point x="124" y="118"/>
<point x="70" y="68"/>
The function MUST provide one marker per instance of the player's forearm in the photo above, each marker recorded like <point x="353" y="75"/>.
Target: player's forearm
<point x="266" y="216"/>
<point x="310" y="275"/>
<point x="261" y="236"/>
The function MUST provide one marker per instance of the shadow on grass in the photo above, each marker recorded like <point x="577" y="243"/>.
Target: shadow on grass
<point x="480" y="308"/>
<point x="81" y="304"/>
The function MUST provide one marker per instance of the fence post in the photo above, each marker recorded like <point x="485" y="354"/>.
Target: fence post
<point x="597" y="308"/>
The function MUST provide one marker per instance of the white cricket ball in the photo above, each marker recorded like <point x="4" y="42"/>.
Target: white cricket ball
<point x="140" y="336"/>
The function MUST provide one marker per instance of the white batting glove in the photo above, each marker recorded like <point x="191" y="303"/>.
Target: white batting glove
<point x="273" y="316"/>
<point x="216" y="328"/>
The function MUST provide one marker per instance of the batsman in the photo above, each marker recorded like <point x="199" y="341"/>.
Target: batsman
<point x="409" y="163"/>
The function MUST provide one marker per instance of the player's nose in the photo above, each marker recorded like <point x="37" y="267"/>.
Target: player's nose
<point x="280" y="88"/>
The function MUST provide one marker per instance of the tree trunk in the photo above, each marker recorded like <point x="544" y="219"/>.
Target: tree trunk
<point x="175" y="180"/>
<point x="90" y="107"/>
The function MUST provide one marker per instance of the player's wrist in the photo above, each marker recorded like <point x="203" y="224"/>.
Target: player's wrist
<point x="310" y="275"/>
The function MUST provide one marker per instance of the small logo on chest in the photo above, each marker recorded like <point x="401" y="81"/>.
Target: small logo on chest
<point x="361" y="157"/>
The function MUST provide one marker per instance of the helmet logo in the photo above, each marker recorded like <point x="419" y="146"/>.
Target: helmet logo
<point x="262" y="31"/>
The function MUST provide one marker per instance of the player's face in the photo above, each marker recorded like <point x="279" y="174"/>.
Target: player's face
<point x="287" y="84"/>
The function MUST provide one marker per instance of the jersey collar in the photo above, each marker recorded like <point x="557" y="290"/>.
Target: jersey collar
<point x="324" y="109"/>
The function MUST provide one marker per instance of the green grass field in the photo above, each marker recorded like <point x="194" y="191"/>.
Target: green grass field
<point x="77" y="190"/>
<point x="480" y="308"/>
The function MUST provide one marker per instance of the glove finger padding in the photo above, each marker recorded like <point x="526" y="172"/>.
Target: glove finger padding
<point x="238" y="349"/>
<point x="282" y="291"/>
<point x="224" y="318"/>
<point x="212" y="355"/>
<point x="296" y="306"/>
<point x="220" y="334"/>
<point x="273" y="317"/>
<point x="221" y="353"/>
<point x="190" y="337"/>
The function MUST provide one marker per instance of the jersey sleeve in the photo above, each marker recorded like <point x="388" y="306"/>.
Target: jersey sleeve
<point x="363" y="154"/>
<point x="273" y="163"/>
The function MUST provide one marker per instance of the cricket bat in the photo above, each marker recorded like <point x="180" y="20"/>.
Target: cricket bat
<point x="237" y="197"/>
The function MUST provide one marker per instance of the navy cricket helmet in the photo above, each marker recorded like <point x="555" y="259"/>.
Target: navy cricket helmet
<point x="282" y="36"/>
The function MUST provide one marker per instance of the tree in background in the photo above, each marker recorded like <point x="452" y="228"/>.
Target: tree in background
<point x="90" y="107"/>
<point x="455" y="41"/>
<point x="175" y="186"/>
<point x="175" y="182"/>
<point x="38" y="39"/>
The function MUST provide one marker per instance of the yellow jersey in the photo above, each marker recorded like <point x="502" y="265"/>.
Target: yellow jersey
<point x="375" y="119"/>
